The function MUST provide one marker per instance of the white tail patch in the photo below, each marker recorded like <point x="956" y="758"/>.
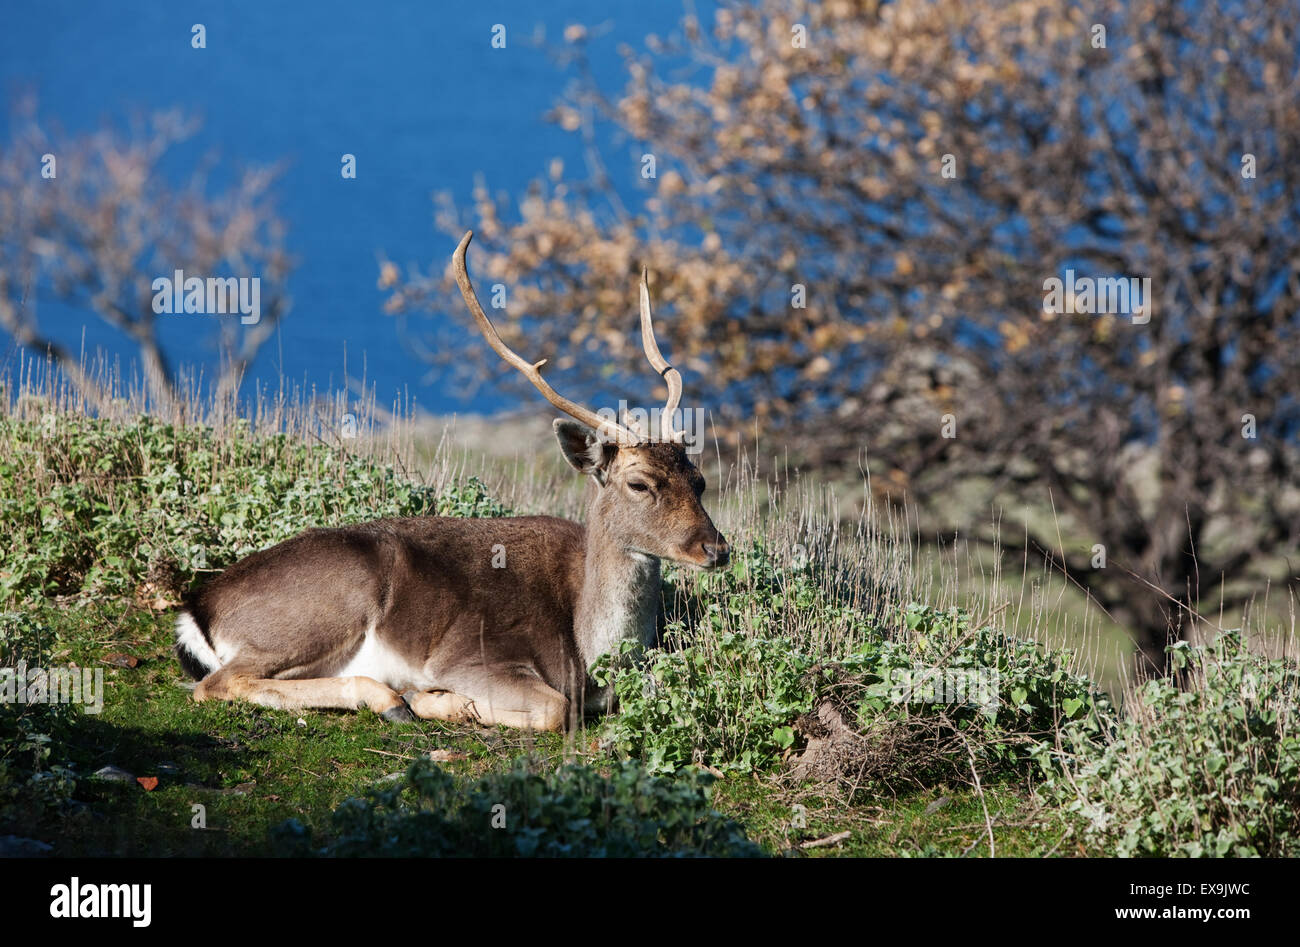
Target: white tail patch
<point x="190" y="637"/>
<point x="377" y="660"/>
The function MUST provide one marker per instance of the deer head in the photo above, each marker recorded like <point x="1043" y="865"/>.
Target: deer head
<point x="648" y="492"/>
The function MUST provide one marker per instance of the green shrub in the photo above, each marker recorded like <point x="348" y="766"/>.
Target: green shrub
<point x="1212" y="769"/>
<point x="768" y="599"/>
<point x="733" y="701"/>
<point x="34" y="781"/>
<point x="574" y="811"/>
<point x="730" y="703"/>
<point x="731" y="682"/>
<point x="1034" y="699"/>
<point x="99" y="506"/>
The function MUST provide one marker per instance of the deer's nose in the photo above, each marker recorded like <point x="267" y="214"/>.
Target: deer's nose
<point x="719" y="553"/>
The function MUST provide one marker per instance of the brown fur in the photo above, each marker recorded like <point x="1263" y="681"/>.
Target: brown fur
<point x="505" y="645"/>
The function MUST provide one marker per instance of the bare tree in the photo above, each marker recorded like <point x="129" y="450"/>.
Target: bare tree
<point x="854" y="213"/>
<point x="91" y="221"/>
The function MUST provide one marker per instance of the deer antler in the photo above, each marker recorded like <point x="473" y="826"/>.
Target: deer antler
<point x="670" y="375"/>
<point x="532" y="370"/>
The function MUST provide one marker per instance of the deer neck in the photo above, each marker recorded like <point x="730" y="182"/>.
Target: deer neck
<point x="620" y="593"/>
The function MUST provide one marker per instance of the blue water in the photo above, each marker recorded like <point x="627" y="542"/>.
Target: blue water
<point x="414" y="90"/>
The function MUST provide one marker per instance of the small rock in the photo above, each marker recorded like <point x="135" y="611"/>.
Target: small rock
<point x="169" y="769"/>
<point x="301" y="722"/>
<point x="113" y="774"/>
<point x="390" y="778"/>
<point x="121" y="660"/>
<point x="938" y="804"/>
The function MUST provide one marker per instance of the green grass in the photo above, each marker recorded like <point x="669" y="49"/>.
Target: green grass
<point x="944" y="821"/>
<point x="253" y="767"/>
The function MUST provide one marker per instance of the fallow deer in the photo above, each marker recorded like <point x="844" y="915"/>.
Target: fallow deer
<point x="412" y="618"/>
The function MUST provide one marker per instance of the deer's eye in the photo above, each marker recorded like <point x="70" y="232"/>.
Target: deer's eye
<point x="638" y="486"/>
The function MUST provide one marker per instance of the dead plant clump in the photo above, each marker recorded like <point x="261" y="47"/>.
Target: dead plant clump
<point x="889" y="752"/>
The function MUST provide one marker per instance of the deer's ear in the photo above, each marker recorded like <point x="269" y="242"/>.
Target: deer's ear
<point x="583" y="449"/>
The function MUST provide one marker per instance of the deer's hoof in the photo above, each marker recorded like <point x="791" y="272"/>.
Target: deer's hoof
<point x="399" y="713"/>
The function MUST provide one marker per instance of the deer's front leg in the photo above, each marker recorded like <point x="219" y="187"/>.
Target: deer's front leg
<point x="441" y="705"/>
<point x="492" y="696"/>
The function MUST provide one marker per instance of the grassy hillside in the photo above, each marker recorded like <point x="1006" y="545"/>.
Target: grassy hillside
<point x="834" y="692"/>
